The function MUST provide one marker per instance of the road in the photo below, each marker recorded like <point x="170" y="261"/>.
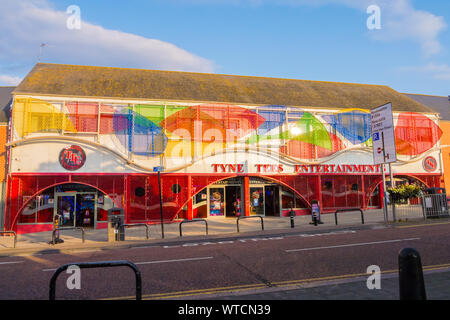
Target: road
<point x="237" y="265"/>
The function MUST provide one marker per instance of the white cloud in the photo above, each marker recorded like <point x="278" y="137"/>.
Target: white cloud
<point x="9" y="80"/>
<point x="26" y="24"/>
<point x="436" y="71"/>
<point x="400" y="20"/>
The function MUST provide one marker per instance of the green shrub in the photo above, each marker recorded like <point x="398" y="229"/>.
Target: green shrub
<point x="402" y="193"/>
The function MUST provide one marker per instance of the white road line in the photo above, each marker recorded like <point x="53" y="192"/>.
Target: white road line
<point x="12" y="262"/>
<point x="352" y="245"/>
<point x="155" y="262"/>
<point x="176" y="260"/>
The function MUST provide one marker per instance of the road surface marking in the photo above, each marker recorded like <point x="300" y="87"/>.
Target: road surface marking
<point x="351" y="245"/>
<point x="11" y="262"/>
<point x="280" y="284"/>
<point x="155" y="262"/>
<point x="423" y="225"/>
<point x="175" y="260"/>
<point x="196" y="292"/>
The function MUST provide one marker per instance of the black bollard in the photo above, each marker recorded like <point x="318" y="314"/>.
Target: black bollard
<point x="412" y="284"/>
<point x="292" y="216"/>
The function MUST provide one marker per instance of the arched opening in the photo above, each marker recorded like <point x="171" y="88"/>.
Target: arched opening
<point x="375" y="199"/>
<point x="75" y="204"/>
<point x="267" y="197"/>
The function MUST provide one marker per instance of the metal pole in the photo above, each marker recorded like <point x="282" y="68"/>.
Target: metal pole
<point x="391" y="177"/>
<point x="385" y="209"/>
<point x="161" y="204"/>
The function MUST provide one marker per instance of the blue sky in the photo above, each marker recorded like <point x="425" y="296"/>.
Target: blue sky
<point x="326" y="40"/>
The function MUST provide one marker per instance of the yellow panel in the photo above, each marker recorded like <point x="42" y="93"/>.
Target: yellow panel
<point x="33" y="115"/>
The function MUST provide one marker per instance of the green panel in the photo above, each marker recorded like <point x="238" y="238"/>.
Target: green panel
<point x="308" y="129"/>
<point x="155" y="113"/>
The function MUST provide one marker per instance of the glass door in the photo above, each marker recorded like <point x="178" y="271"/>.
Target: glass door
<point x="66" y="208"/>
<point x="257" y="200"/>
<point x="86" y="209"/>
<point x="216" y="201"/>
<point x="76" y="209"/>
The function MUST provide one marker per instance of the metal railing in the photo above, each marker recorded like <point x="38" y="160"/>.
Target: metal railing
<point x="249" y="217"/>
<point x="10" y="232"/>
<point x="102" y="264"/>
<point x="435" y="206"/>
<point x="67" y="228"/>
<point x="147" y="231"/>
<point x="348" y="210"/>
<point x="193" y="220"/>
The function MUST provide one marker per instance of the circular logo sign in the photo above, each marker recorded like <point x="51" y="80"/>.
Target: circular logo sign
<point x="430" y="164"/>
<point x="72" y="158"/>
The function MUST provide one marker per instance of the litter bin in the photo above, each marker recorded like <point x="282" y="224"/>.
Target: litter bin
<point x="435" y="203"/>
<point x="116" y="220"/>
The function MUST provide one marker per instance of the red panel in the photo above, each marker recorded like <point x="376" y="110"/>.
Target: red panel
<point x="84" y="116"/>
<point x="340" y="191"/>
<point x="23" y="229"/>
<point x="207" y="121"/>
<point x="415" y="134"/>
<point x="305" y="150"/>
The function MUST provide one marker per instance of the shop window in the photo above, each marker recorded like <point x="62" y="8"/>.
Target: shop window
<point x="340" y="191"/>
<point x="201" y="197"/>
<point x="104" y="203"/>
<point x="38" y="210"/>
<point x="290" y="200"/>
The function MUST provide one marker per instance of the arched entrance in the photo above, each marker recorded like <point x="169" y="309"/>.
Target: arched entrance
<point x="75" y="204"/>
<point x="375" y="198"/>
<point x="267" y="197"/>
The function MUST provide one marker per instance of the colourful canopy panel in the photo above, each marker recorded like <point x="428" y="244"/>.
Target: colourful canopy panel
<point x="33" y="115"/>
<point x="156" y="113"/>
<point x="143" y="137"/>
<point x="305" y="150"/>
<point x="308" y="129"/>
<point x="84" y="116"/>
<point x="353" y="125"/>
<point x="212" y="123"/>
<point x="272" y="119"/>
<point x="415" y="133"/>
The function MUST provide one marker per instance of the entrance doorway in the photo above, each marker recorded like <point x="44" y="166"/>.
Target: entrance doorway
<point x="76" y="209"/>
<point x="233" y="201"/>
<point x="272" y="203"/>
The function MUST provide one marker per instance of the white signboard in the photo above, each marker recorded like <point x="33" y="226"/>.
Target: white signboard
<point x="383" y="136"/>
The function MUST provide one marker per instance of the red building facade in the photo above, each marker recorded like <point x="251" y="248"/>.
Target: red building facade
<point x="79" y="149"/>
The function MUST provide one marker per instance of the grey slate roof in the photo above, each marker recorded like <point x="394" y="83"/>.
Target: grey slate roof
<point x="5" y="100"/>
<point x="439" y="104"/>
<point x="103" y="82"/>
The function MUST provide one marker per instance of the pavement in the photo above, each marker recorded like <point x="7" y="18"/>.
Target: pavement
<point x="218" y="227"/>
<point x="437" y="286"/>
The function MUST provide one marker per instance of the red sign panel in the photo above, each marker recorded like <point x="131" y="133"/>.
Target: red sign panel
<point x="72" y="158"/>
